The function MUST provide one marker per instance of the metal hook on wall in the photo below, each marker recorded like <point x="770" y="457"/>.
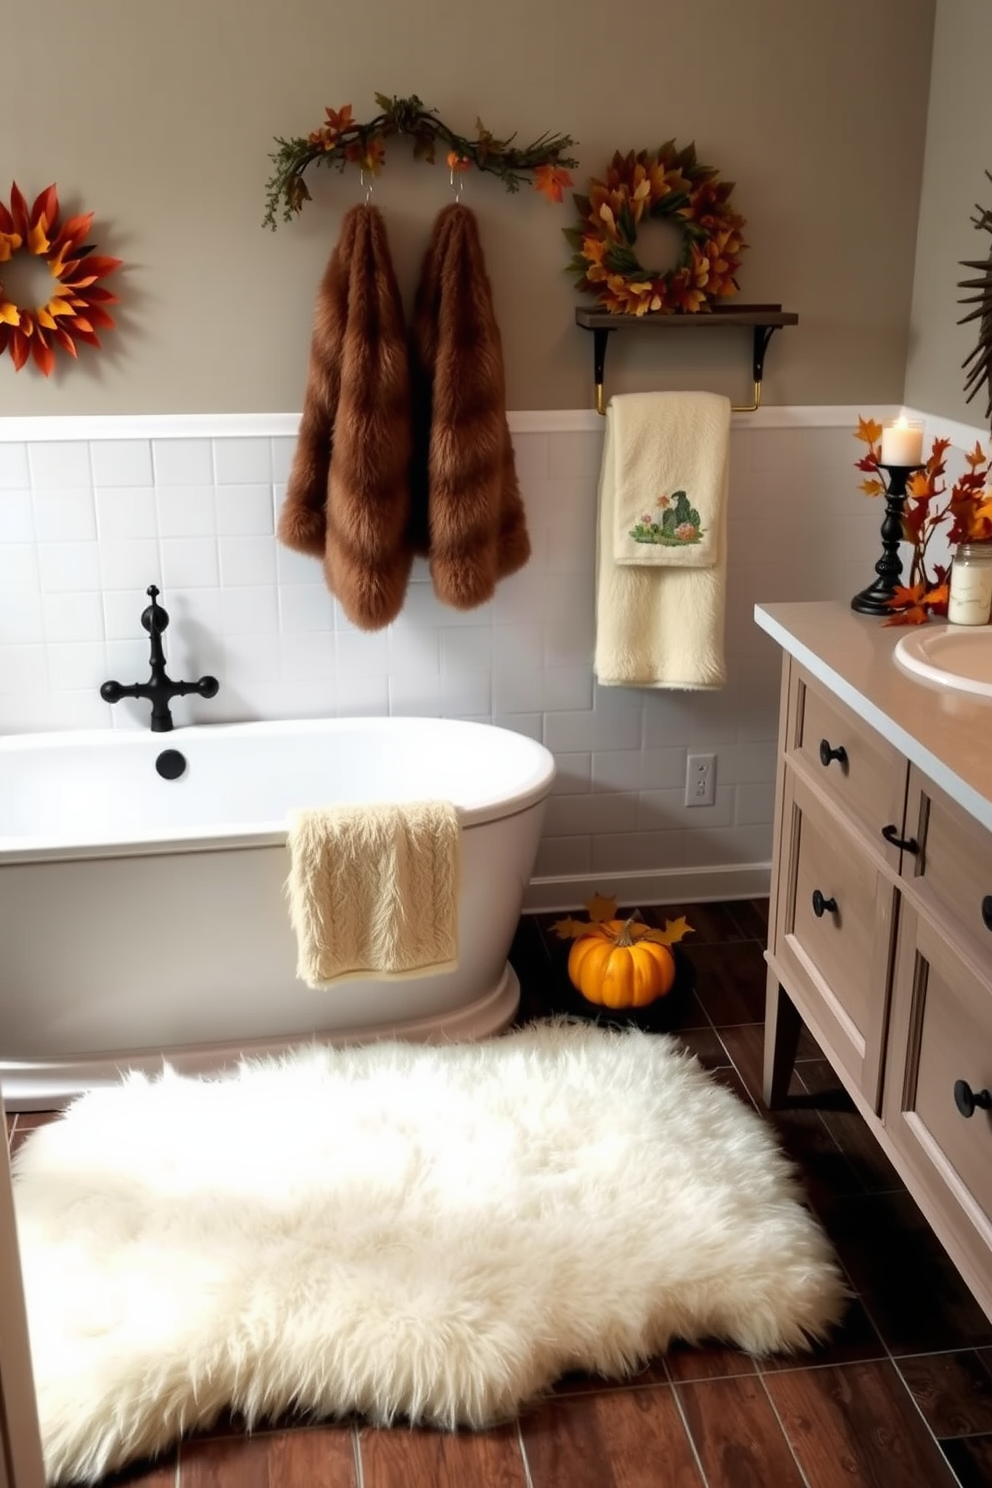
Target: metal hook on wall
<point x="457" y="189"/>
<point x="368" y="188"/>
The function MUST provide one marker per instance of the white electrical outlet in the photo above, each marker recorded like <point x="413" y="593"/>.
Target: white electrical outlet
<point x="700" y="780"/>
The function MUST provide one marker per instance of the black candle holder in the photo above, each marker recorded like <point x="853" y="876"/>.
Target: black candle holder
<point x="875" y="599"/>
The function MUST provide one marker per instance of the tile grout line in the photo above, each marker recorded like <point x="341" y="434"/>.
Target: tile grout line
<point x="781" y="1426"/>
<point x="889" y="1358"/>
<point x="926" y="1424"/>
<point x="688" y="1431"/>
<point x="853" y="1363"/>
<point x="936" y="1354"/>
<point x="356" y="1447"/>
<point x="528" y="1478"/>
<point x="843" y="1154"/>
<point x="765" y="1114"/>
<point x="856" y="1292"/>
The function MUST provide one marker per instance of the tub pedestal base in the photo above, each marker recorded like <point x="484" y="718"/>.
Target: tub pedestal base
<point x="29" y="1085"/>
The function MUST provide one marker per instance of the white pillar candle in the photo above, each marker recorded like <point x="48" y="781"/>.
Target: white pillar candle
<point x="902" y="443"/>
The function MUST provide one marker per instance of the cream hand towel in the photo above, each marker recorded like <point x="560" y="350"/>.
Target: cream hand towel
<point x="670" y="455"/>
<point x="656" y="626"/>
<point x="373" y="890"/>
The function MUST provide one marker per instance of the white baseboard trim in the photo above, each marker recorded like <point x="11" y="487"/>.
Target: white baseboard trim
<point x="662" y="886"/>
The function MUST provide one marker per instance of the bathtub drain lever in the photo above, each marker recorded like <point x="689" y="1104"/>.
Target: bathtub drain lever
<point x="160" y="688"/>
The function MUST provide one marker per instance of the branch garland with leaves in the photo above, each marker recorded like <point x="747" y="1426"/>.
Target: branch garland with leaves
<point x="341" y="141"/>
<point x="965" y="516"/>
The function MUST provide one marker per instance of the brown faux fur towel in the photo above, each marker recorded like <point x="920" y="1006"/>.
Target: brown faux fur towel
<point x="348" y="497"/>
<point x="468" y="516"/>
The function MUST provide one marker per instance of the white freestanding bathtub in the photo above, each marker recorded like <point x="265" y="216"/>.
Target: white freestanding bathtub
<point x="143" y="917"/>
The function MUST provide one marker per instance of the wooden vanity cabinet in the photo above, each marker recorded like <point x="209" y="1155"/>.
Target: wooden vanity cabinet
<point x="880" y="939"/>
<point x="834" y="896"/>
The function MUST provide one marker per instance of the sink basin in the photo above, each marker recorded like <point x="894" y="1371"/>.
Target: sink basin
<point x="958" y="656"/>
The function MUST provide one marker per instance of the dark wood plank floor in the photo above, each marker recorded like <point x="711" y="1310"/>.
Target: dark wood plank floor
<point x="901" y="1397"/>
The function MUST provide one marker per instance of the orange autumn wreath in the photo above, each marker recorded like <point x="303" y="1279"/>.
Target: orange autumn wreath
<point x="76" y="306"/>
<point x="665" y="184"/>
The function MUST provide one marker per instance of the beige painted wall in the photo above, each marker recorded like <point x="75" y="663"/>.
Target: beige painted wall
<point x="958" y="153"/>
<point x="161" y="117"/>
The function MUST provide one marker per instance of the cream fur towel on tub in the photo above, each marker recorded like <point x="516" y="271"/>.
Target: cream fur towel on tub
<point x="373" y="890"/>
<point x="660" y="604"/>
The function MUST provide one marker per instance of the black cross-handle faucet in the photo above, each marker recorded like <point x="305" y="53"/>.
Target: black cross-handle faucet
<point x="160" y="688"/>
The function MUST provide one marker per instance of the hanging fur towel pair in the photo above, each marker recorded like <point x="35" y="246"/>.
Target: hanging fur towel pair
<point x="403" y="445"/>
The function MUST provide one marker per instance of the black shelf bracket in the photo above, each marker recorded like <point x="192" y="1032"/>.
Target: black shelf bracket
<point x="764" y="321"/>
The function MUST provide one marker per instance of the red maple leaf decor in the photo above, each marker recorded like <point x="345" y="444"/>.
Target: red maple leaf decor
<point x="77" y="305"/>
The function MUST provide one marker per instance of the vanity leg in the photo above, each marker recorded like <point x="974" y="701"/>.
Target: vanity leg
<point x="783" y="1026"/>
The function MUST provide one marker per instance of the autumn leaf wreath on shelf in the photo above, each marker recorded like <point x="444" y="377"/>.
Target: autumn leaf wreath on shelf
<point x="668" y="185"/>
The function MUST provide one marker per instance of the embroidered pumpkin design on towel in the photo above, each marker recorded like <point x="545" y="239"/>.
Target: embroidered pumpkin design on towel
<point x="675" y="523"/>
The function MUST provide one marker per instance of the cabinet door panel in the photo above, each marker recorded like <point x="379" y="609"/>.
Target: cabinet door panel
<point x="941" y="1033"/>
<point x="869" y="783"/>
<point x="838" y="939"/>
<point x="836" y="961"/>
<point x="949" y="1039"/>
<point x="952" y="873"/>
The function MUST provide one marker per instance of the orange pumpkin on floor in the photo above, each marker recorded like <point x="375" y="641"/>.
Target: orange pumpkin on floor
<point x="612" y="967"/>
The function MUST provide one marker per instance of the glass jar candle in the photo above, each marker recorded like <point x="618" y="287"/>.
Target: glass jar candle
<point x="970" y="601"/>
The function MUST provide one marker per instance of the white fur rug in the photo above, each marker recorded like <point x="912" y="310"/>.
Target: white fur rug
<point x="398" y="1230"/>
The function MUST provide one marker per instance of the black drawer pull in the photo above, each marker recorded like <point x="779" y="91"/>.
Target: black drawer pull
<point x="966" y="1100"/>
<point x="987" y="911"/>
<point x="827" y="754"/>
<point x="908" y="844"/>
<point x="821" y="905"/>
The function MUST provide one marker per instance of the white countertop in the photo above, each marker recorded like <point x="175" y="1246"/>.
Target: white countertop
<point x="947" y="733"/>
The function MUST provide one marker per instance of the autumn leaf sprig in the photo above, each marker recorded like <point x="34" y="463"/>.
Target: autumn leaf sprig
<point x="964" y="514"/>
<point x="342" y="141"/>
<point x="602" y="910"/>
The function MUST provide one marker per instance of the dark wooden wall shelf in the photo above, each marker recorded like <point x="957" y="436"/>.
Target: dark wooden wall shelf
<point x="764" y="320"/>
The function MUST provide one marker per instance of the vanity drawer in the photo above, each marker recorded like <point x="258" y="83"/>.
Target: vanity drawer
<point x="940" y="1036"/>
<point x="834" y="934"/>
<point x="868" y="779"/>
<point x="951" y="874"/>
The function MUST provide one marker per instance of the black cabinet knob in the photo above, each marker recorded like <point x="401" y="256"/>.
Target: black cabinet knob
<point x="827" y="754"/>
<point x="821" y="905"/>
<point x="907" y="844"/>
<point x="967" y="1099"/>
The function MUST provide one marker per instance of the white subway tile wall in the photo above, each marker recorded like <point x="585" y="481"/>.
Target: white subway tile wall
<point x="86" y="526"/>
